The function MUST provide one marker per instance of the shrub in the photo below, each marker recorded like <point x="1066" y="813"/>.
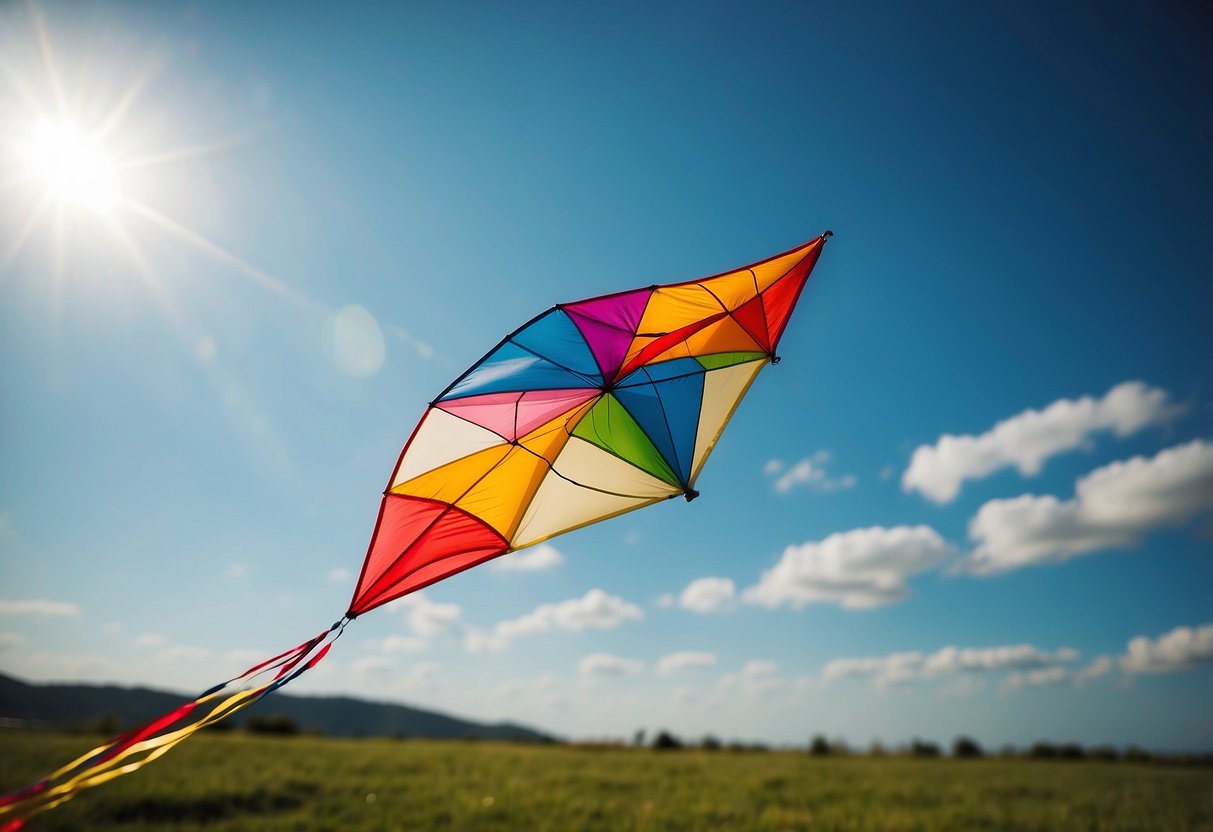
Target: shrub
<point x="820" y="746"/>
<point x="1071" y="751"/>
<point x="710" y="743"/>
<point x="923" y="748"/>
<point x="665" y="741"/>
<point x="967" y="748"/>
<point x="275" y="724"/>
<point x="1042" y="750"/>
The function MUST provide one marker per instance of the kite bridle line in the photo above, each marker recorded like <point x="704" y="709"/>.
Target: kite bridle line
<point x="134" y="749"/>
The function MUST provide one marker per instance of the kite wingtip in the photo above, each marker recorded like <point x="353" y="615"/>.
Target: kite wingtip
<point x="690" y="494"/>
<point x="827" y="233"/>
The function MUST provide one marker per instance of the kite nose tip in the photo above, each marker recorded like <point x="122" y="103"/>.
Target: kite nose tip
<point x="827" y="233"/>
<point x="690" y="494"/>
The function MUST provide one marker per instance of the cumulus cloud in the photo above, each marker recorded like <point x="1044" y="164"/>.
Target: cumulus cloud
<point x="597" y="665"/>
<point x="688" y="660"/>
<point x="708" y="595"/>
<point x="1180" y="649"/>
<point x="371" y="664"/>
<point x="1043" y="677"/>
<point x="428" y="618"/>
<point x="38" y="606"/>
<point x="402" y="644"/>
<point x="1026" y="441"/>
<point x="896" y="669"/>
<point x="595" y="610"/>
<point x="8" y="640"/>
<point x="756" y="679"/>
<point x="535" y="559"/>
<point x="1099" y="667"/>
<point x="339" y="575"/>
<point x="809" y="472"/>
<point x="1112" y="507"/>
<point x="859" y="569"/>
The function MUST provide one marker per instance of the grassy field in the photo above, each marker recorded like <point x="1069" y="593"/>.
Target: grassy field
<point x="236" y="781"/>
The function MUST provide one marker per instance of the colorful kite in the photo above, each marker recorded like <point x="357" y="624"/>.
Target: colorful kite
<point x="587" y="411"/>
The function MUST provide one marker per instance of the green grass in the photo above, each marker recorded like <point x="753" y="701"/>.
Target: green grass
<point x="230" y="782"/>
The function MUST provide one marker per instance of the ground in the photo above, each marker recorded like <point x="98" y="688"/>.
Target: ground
<point x="235" y="781"/>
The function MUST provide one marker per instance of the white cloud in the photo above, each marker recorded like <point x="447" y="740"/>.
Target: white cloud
<point x="885" y="671"/>
<point x="1101" y="666"/>
<point x="682" y="662"/>
<point x="339" y="575"/>
<point x="236" y="571"/>
<point x="708" y="595"/>
<point x="402" y="644"/>
<point x="38" y="606"/>
<point x="535" y="559"/>
<point x="902" y="668"/>
<point x="810" y="472"/>
<point x="859" y="569"/>
<point x="371" y="664"/>
<point x="756" y="679"/>
<point x="664" y="601"/>
<point x="428" y="618"/>
<point x="595" y="610"/>
<point x="1113" y="507"/>
<point x="1026" y="441"/>
<point x="150" y="640"/>
<point x="1180" y="649"/>
<point x="1016" y="656"/>
<point x="1043" y="677"/>
<point x="604" y="664"/>
<point x="8" y="640"/>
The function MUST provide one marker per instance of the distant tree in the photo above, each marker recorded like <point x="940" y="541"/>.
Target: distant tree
<point x="638" y="738"/>
<point x="820" y="746"/>
<point x="967" y="748"/>
<point x="665" y="741"/>
<point x="839" y="748"/>
<point x="1042" y="750"/>
<point x="1104" y="753"/>
<point x="274" y="724"/>
<point x="877" y="749"/>
<point x="759" y="747"/>
<point x="923" y="748"/>
<point x="1071" y="751"/>
<point x="710" y="743"/>
<point x="1133" y="754"/>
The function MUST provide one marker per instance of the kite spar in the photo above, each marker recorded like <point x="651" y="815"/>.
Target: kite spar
<point x="589" y="410"/>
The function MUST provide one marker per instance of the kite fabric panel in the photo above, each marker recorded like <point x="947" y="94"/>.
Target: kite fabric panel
<point x="589" y="410"/>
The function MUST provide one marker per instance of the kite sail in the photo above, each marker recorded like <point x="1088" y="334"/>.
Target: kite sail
<point x="589" y="410"/>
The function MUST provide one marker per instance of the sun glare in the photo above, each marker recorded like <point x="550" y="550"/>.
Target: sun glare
<point x="73" y="166"/>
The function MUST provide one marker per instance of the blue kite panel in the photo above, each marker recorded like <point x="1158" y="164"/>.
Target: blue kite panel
<point x="668" y="412"/>
<point x="511" y="368"/>
<point x="557" y="338"/>
<point x="662" y="371"/>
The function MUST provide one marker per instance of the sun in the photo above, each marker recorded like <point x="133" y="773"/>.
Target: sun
<point x="73" y="166"/>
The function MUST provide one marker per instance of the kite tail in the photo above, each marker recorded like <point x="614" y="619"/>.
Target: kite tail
<point x="134" y="749"/>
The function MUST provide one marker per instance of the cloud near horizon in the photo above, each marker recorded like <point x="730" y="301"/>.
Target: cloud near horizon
<point x="595" y="610"/>
<point x="1029" y="439"/>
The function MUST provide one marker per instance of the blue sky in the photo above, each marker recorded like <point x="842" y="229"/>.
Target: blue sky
<point x="324" y="216"/>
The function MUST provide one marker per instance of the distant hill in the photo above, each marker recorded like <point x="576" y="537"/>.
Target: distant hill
<point x="58" y="705"/>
